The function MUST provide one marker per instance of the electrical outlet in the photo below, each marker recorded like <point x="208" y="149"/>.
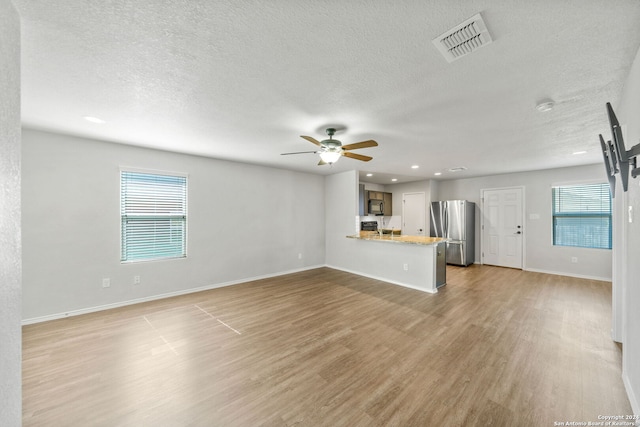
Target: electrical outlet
<point x="406" y="267"/>
<point x="136" y="280"/>
<point x="300" y="256"/>
<point x="574" y="259"/>
<point x="106" y="282"/>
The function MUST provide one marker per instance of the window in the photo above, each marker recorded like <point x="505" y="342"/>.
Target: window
<point x="582" y="216"/>
<point x="153" y="210"/>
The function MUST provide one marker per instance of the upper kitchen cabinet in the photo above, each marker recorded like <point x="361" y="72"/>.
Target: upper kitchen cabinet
<point x="376" y="195"/>
<point x="387" y="204"/>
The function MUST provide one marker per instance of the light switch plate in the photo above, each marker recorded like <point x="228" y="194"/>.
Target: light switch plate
<point x="630" y="214"/>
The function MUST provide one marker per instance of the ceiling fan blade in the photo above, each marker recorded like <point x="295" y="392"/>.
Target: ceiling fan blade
<point x="322" y="162"/>
<point x="357" y="156"/>
<point x="311" y="140"/>
<point x="299" y="152"/>
<point x="363" y="144"/>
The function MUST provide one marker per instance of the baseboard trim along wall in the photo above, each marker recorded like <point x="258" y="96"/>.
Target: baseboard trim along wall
<point x="249" y="279"/>
<point x="393" y="282"/>
<point x="635" y="405"/>
<point x="579" y="276"/>
<point x="160" y="296"/>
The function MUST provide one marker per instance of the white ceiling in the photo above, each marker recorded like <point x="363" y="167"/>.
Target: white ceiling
<point x="241" y="80"/>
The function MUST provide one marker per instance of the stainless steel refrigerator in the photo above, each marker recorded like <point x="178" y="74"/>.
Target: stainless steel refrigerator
<point x="455" y="221"/>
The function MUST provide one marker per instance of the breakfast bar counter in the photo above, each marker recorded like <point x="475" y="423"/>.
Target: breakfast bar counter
<point x="415" y="262"/>
<point x="393" y="238"/>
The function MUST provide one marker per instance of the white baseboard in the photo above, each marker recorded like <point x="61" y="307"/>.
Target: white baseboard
<point x="160" y="296"/>
<point x="635" y="404"/>
<point x="579" y="276"/>
<point x="393" y="282"/>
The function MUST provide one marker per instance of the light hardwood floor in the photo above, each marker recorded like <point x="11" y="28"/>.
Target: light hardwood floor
<point x="495" y="347"/>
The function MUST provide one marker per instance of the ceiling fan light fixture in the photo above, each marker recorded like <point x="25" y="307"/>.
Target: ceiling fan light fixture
<point x="332" y="149"/>
<point x="330" y="156"/>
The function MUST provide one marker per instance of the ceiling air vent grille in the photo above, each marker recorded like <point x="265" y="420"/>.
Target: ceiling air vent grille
<point x="470" y="35"/>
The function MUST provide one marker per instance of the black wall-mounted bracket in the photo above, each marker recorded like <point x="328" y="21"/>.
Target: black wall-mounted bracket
<point x="616" y="157"/>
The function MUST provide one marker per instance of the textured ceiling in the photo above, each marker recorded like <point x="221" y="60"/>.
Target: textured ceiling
<point x="241" y="80"/>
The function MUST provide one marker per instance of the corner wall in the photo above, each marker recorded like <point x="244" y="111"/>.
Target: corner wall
<point x="244" y="222"/>
<point x="341" y="209"/>
<point x="10" y="243"/>
<point x="628" y="113"/>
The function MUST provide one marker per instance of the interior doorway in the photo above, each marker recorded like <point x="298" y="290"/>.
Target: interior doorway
<point x="414" y="214"/>
<point x="502" y="227"/>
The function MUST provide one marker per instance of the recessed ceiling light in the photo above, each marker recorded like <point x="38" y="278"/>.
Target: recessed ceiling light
<point x="415" y="167"/>
<point x="438" y="173"/>
<point x="94" y="120"/>
<point x="579" y="152"/>
<point x="545" y="105"/>
<point x="394" y="179"/>
<point x="369" y="174"/>
<point x="457" y="169"/>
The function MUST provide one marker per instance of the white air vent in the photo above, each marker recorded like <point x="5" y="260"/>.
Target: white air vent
<point x="472" y="34"/>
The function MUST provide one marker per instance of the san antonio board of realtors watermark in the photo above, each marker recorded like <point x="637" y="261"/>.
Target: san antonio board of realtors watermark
<point x="604" y="420"/>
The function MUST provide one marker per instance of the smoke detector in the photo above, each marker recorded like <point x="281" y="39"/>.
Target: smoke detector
<point x="457" y="169"/>
<point x="545" y="105"/>
<point x="463" y="39"/>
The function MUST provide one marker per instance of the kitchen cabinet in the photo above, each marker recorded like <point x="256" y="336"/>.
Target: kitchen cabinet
<point x="387" y="206"/>
<point x="376" y="195"/>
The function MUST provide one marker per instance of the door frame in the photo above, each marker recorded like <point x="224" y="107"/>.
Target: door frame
<point x="424" y="209"/>
<point x="524" y="226"/>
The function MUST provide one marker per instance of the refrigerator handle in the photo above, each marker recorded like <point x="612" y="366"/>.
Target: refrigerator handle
<point x="445" y="220"/>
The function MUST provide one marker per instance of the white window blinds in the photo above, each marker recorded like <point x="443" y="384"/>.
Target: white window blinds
<point x="582" y="216"/>
<point x="153" y="212"/>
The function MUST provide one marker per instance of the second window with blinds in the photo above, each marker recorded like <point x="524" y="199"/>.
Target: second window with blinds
<point x="582" y="216"/>
<point x="153" y="213"/>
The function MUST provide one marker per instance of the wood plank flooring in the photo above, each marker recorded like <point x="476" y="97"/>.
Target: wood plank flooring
<point x="495" y="347"/>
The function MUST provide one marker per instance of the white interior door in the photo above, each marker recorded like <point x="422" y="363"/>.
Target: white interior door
<point x="413" y="214"/>
<point x="502" y="227"/>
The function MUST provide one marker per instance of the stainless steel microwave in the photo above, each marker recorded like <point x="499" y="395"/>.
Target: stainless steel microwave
<point x="376" y="207"/>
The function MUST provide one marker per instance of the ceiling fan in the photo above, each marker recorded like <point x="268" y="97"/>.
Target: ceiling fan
<point x="332" y="149"/>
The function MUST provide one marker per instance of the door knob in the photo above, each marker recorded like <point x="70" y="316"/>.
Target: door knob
<point x="519" y="232"/>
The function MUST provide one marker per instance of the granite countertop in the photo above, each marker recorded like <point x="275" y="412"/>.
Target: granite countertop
<point x="392" y="238"/>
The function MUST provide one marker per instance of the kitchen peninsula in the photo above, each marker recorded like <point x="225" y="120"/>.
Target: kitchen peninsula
<point x="410" y="261"/>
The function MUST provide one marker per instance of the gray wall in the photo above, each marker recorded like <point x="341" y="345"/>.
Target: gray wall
<point x="244" y="222"/>
<point x="539" y="252"/>
<point x="629" y="251"/>
<point x="10" y="262"/>
<point x="341" y="209"/>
